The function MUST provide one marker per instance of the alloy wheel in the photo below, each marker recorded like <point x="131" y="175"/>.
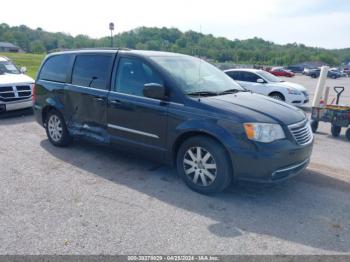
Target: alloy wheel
<point x="200" y="166"/>
<point x="55" y="128"/>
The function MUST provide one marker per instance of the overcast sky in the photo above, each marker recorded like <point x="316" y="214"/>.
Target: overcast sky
<point x="322" y="23"/>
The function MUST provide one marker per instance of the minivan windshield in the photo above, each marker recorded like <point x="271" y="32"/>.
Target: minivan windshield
<point x="6" y="67"/>
<point x="270" y="77"/>
<point x="195" y="76"/>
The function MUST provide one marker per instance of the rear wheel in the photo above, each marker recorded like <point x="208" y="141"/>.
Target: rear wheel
<point x="204" y="165"/>
<point x="56" y="129"/>
<point x="277" y="96"/>
<point x="335" y="130"/>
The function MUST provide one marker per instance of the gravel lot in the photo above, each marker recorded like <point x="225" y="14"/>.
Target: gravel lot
<point x="89" y="199"/>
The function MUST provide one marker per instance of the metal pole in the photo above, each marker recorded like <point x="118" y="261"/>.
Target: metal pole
<point x="111" y="27"/>
<point x="111" y="38"/>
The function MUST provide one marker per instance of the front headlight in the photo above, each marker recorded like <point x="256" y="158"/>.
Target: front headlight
<point x="293" y="91"/>
<point x="263" y="132"/>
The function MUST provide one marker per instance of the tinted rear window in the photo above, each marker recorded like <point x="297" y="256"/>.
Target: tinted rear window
<point x="56" y="68"/>
<point x="92" y="70"/>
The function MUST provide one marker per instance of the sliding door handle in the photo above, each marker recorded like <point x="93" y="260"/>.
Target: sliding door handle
<point x="115" y="102"/>
<point x="100" y="99"/>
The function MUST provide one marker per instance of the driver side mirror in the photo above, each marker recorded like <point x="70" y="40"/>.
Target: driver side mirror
<point x="154" y="90"/>
<point x="23" y="70"/>
<point x="260" y="81"/>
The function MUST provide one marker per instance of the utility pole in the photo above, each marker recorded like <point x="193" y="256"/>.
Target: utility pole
<point x="111" y="27"/>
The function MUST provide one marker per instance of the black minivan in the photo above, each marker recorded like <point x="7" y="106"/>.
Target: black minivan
<point x="174" y="108"/>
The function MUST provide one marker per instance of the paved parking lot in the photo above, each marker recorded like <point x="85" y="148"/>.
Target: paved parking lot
<point x="310" y="84"/>
<point x="89" y="199"/>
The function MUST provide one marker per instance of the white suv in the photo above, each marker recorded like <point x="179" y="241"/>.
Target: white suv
<point x="16" y="89"/>
<point x="262" y="82"/>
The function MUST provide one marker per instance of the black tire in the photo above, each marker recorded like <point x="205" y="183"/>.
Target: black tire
<point x="218" y="156"/>
<point x="314" y="125"/>
<point x="347" y="133"/>
<point x="63" y="139"/>
<point x="335" y="130"/>
<point x="277" y="96"/>
<point x="313" y="76"/>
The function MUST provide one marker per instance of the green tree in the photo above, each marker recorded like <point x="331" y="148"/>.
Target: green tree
<point x="220" y="49"/>
<point x="37" y="47"/>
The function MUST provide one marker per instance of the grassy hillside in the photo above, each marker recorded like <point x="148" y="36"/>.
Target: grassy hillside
<point x="219" y="49"/>
<point x="30" y="61"/>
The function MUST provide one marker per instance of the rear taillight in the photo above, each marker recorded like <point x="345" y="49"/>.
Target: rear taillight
<point x="33" y="93"/>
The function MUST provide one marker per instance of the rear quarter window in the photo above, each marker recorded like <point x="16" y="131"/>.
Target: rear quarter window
<point x="55" y="68"/>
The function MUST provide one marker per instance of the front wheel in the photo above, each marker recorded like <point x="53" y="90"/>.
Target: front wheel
<point x="204" y="165"/>
<point x="56" y="129"/>
<point x="335" y="130"/>
<point x="277" y="96"/>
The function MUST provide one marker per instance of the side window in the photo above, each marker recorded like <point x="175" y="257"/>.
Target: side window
<point x="92" y="70"/>
<point x="56" y="68"/>
<point x="133" y="74"/>
<point x="235" y="75"/>
<point x="249" y="77"/>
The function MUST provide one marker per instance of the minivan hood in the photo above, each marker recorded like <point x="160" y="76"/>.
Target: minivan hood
<point x="291" y="85"/>
<point x="9" y="79"/>
<point x="258" y="108"/>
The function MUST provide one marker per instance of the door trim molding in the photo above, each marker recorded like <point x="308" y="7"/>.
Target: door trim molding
<point x="134" y="131"/>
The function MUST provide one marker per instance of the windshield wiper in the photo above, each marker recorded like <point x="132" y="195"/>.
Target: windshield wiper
<point x="203" y="93"/>
<point x="232" y="91"/>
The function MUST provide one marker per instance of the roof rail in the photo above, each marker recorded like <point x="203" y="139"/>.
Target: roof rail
<point x="89" y="48"/>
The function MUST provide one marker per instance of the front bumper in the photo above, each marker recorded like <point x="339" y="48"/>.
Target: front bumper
<point x="11" y="106"/>
<point x="299" y="100"/>
<point x="272" y="162"/>
<point x="289" y="171"/>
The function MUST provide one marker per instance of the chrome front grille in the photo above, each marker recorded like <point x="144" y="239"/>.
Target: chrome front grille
<point x="301" y="132"/>
<point x="15" y="93"/>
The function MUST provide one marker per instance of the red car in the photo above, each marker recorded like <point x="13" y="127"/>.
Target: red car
<point x="281" y="72"/>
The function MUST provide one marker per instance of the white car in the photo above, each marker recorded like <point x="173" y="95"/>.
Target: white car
<point x="16" y="88"/>
<point x="262" y="82"/>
